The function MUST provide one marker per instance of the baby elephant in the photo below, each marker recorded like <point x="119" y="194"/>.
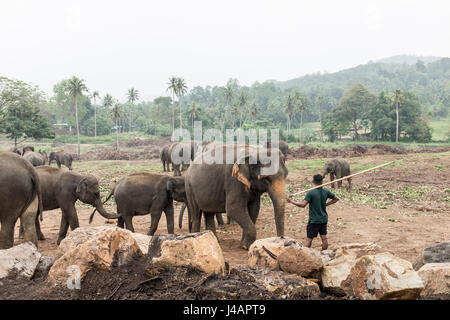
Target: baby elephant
<point x="143" y="193"/>
<point x="339" y="168"/>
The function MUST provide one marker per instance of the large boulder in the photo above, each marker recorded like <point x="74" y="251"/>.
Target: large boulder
<point x="265" y="252"/>
<point x="44" y="265"/>
<point x="439" y="253"/>
<point x="278" y="283"/>
<point x="19" y="261"/>
<point x="383" y="276"/>
<point x="305" y="262"/>
<point x="83" y="234"/>
<point x="199" y="250"/>
<point x="111" y="248"/>
<point x="436" y="279"/>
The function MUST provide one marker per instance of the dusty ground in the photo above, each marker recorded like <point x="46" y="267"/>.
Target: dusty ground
<point x="404" y="207"/>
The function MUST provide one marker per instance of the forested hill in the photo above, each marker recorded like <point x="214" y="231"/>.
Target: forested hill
<point x="429" y="81"/>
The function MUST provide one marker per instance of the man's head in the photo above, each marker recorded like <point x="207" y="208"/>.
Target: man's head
<point x="317" y="179"/>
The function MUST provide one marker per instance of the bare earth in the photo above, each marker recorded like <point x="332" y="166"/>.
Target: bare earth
<point x="405" y="225"/>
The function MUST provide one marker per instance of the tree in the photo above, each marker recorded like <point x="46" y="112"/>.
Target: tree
<point x="301" y="105"/>
<point x="181" y="91"/>
<point x="116" y="112"/>
<point x="396" y="97"/>
<point x="319" y="104"/>
<point x="289" y="110"/>
<point x="95" y="95"/>
<point x="20" y="116"/>
<point x="173" y="88"/>
<point x="132" y="96"/>
<point x="193" y="112"/>
<point x="75" y="88"/>
<point x="242" y="101"/>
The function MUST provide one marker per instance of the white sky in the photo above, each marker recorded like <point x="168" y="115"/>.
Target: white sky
<point x="115" y="45"/>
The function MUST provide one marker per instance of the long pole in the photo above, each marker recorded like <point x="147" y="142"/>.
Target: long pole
<point x="344" y="178"/>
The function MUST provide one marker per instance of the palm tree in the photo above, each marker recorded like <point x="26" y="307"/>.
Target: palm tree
<point x="132" y="96"/>
<point x="289" y="111"/>
<point x="193" y="112"/>
<point x="254" y="110"/>
<point x="116" y="113"/>
<point x="75" y="88"/>
<point x="396" y="100"/>
<point x="181" y="91"/>
<point x="95" y="95"/>
<point x="229" y="96"/>
<point x="173" y="88"/>
<point x="242" y="102"/>
<point x="301" y="106"/>
<point x="319" y="103"/>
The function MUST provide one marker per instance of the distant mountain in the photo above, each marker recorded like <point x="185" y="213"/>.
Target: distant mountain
<point x="408" y="59"/>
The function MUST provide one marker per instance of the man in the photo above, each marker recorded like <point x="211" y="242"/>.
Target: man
<point x="318" y="217"/>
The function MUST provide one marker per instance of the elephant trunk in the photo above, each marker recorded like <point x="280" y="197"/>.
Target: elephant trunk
<point x="102" y="211"/>
<point x="277" y="192"/>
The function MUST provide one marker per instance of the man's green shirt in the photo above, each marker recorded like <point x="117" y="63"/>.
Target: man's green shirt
<point x="317" y="200"/>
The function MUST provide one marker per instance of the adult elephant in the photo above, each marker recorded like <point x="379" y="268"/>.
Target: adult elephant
<point x="236" y="188"/>
<point x="61" y="189"/>
<point x="143" y="193"/>
<point x="61" y="158"/>
<point x="164" y="156"/>
<point x="26" y="149"/>
<point x="36" y="159"/>
<point x="338" y="168"/>
<point x="20" y="197"/>
<point x="177" y="156"/>
<point x="44" y="156"/>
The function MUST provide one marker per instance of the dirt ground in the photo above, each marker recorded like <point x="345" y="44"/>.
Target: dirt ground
<point x="416" y="213"/>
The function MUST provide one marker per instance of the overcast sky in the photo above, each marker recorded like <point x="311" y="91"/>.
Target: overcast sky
<point x="115" y="45"/>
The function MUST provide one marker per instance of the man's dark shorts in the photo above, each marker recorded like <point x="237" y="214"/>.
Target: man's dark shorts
<point x="313" y="228"/>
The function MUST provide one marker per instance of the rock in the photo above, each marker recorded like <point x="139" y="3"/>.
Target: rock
<point x="335" y="272"/>
<point x="84" y="234"/>
<point x="44" y="265"/>
<point x="439" y="253"/>
<point x="199" y="250"/>
<point x="111" y="248"/>
<point x="436" y="279"/>
<point x="257" y="256"/>
<point x="383" y="276"/>
<point x="327" y="255"/>
<point x="359" y="249"/>
<point x="305" y="262"/>
<point x="20" y="261"/>
<point x="278" y="283"/>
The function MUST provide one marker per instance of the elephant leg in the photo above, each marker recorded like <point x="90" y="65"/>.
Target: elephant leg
<point x="63" y="228"/>
<point x="72" y="217"/>
<point x="338" y="176"/>
<point x="349" y="180"/>
<point x="219" y="219"/>
<point x="169" y="211"/>
<point x="29" y="222"/>
<point x="21" y="229"/>
<point x="40" y="235"/>
<point x="241" y="216"/>
<point x="128" y="222"/>
<point x="210" y="224"/>
<point x="156" y="215"/>
<point x="253" y="209"/>
<point x="7" y="233"/>
<point x="120" y="222"/>
<point x="332" y="179"/>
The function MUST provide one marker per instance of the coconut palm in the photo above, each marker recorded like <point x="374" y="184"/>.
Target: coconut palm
<point x="116" y="112"/>
<point x="75" y="88"/>
<point x="132" y="96"/>
<point x="173" y="88"/>
<point x="242" y="103"/>
<point x="95" y="95"/>
<point x="193" y="112"/>
<point x="319" y="103"/>
<point x="289" y="110"/>
<point x="396" y="97"/>
<point x="301" y="106"/>
<point x="181" y="91"/>
<point x="229" y="96"/>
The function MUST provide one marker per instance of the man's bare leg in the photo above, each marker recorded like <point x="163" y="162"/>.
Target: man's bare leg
<point x="308" y="242"/>
<point x="324" y="242"/>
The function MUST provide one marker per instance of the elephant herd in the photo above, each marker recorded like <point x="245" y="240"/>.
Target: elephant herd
<point x="207" y="189"/>
<point x="41" y="158"/>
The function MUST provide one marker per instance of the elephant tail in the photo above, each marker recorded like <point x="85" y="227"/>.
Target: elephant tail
<point x="180" y="217"/>
<point x="37" y="186"/>
<point x="91" y="217"/>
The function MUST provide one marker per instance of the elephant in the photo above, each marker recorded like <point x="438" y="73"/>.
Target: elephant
<point x="26" y="149"/>
<point x="236" y="188"/>
<point x="282" y="145"/>
<point x="219" y="218"/>
<point x="165" y="158"/>
<point x="15" y="150"/>
<point x="339" y="168"/>
<point x="20" y="197"/>
<point x="143" y="193"/>
<point x="61" y="158"/>
<point x="36" y="159"/>
<point x="61" y="189"/>
<point x="184" y="160"/>
<point x="44" y="156"/>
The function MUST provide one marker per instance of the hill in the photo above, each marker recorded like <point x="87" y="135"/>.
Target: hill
<point x="408" y="59"/>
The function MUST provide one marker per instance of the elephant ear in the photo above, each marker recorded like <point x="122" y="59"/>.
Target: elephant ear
<point x="240" y="177"/>
<point x="81" y="187"/>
